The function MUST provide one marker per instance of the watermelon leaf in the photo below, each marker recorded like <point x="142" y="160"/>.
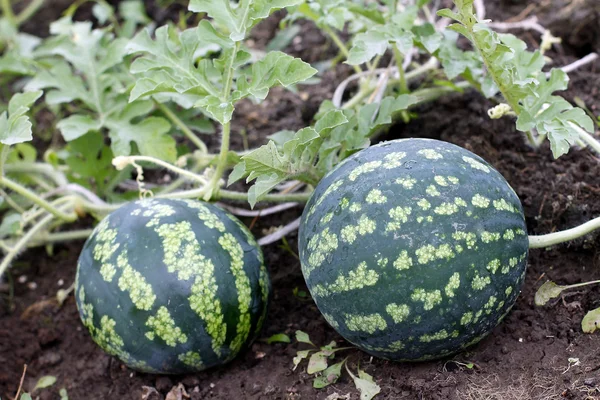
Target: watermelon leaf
<point x="518" y="74"/>
<point x="15" y="126"/>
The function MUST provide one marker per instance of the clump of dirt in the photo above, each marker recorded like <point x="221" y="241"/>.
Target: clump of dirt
<point x="525" y="357"/>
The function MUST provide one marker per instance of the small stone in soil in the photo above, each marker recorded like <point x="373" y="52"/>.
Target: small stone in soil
<point x="589" y="381"/>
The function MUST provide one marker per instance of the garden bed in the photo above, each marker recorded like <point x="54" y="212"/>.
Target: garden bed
<point x="530" y="355"/>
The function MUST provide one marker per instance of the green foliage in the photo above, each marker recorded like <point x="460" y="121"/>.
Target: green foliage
<point x="169" y="68"/>
<point x="517" y="74"/>
<point x="18" y="50"/>
<point x="308" y="154"/>
<point x="84" y="63"/>
<point x="15" y="126"/>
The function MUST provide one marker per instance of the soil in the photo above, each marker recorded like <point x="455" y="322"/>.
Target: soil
<point x="525" y="357"/>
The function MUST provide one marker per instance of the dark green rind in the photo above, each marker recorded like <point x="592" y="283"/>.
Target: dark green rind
<point x="145" y="255"/>
<point x="397" y="286"/>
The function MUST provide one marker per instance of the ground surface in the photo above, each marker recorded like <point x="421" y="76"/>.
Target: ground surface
<point x="526" y="357"/>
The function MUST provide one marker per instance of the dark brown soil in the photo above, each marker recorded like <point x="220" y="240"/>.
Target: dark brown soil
<point x="526" y="357"/>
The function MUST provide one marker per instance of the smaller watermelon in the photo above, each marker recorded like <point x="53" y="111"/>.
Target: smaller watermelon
<point x="172" y="286"/>
<point x="413" y="249"/>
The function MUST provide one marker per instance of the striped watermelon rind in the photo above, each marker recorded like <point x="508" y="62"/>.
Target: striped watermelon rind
<point x="172" y="286"/>
<point x="413" y="249"/>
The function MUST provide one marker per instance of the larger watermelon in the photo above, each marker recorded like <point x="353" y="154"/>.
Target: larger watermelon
<point x="172" y="286"/>
<point x="413" y="249"/>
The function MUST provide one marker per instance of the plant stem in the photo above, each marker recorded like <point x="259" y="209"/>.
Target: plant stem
<point x="8" y="12"/>
<point x="182" y="126"/>
<point x="11" y="202"/>
<point x="33" y="214"/>
<point x="430" y="94"/>
<point x="212" y="187"/>
<point x="23" y="191"/>
<point x="29" y="11"/>
<point x="363" y="92"/>
<point x="340" y="44"/>
<point x="587" y="138"/>
<point x="274" y="198"/>
<point x="399" y="59"/>
<point x="58" y="237"/>
<point x="38" y="168"/>
<point x="122" y="161"/>
<point x="240" y="196"/>
<point x="576" y="285"/>
<point x="22" y="243"/>
<point x="536" y="242"/>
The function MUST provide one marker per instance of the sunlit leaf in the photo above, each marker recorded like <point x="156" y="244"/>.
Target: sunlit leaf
<point x="279" y="338"/>
<point x="549" y="290"/>
<point x="44" y="382"/>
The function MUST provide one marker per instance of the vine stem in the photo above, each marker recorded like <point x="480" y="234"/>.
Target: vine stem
<point x="121" y="162"/>
<point x="221" y="164"/>
<point x="23" y="191"/>
<point x="340" y="44"/>
<point x="22" y="243"/>
<point x="8" y="12"/>
<point x="586" y="138"/>
<point x="58" y="237"/>
<point x="29" y="11"/>
<point x="239" y="196"/>
<point x="536" y="242"/>
<point x="181" y="125"/>
<point x="213" y="186"/>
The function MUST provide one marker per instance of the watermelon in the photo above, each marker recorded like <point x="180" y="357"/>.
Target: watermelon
<point x="172" y="286"/>
<point x="413" y="249"/>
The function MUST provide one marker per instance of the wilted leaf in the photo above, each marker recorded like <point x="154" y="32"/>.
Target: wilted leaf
<point x="591" y="321"/>
<point x="317" y="362"/>
<point x="549" y="290"/>
<point x="300" y="355"/>
<point x="329" y="376"/>
<point x="177" y="393"/>
<point x="365" y="384"/>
